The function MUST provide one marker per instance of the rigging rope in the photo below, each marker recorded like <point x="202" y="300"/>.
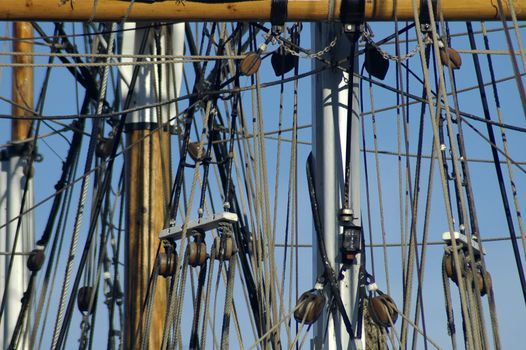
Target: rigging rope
<point x="498" y="170"/>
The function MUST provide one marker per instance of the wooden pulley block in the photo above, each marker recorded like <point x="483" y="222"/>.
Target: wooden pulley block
<point x="250" y="64"/>
<point x="449" y="266"/>
<point x="309" y="306"/>
<point x="383" y="310"/>
<point x="224" y="248"/>
<point x="83" y="298"/>
<point x="35" y="260"/>
<point x="196" y="253"/>
<point x="485" y="284"/>
<point x="167" y="263"/>
<point x="195" y="150"/>
<point x="450" y="57"/>
<point x="104" y="147"/>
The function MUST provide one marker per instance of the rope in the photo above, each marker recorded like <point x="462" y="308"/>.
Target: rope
<point x="443" y="175"/>
<point x="160" y="57"/>
<point x="274" y="328"/>
<point x="281" y="285"/>
<point x="478" y="320"/>
<point x="515" y="66"/>
<point x="491" y="300"/>
<point x="179" y="303"/>
<point x="411" y="205"/>
<point x="75" y="235"/>
<point x="379" y="186"/>
<point x="367" y="194"/>
<point x="265" y="85"/>
<point x="149" y="303"/>
<point x="174" y="312"/>
<point x="228" y="304"/>
<point x="80" y="208"/>
<point x="421" y="268"/>
<point x="207" y="297"/>
<point x="194" y="340"/>
<point x="498" y="170"/>
<point x="99" y="64"/>
<point x="64" y="203"/>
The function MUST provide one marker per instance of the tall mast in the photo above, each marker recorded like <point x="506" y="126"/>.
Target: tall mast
<point x="329" y="135"/>
<point x="18" y="185"/>
<point x="147" y="171"/>
<point x="148" y="185"/>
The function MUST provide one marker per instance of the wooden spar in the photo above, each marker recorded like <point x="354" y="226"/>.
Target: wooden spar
<point x="243" y="10"/>
<point x="22" y="83"/>
<point x="148" y="174"/>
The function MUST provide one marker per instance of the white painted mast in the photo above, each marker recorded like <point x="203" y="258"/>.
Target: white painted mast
<point x="3" y="248"/>
<point x="329" y="120"/>
<point x="16" y="174"/>
<point x="18" y="281"/>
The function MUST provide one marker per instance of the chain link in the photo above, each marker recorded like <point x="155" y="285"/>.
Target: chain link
<point x="367" y="37"/>
<point x="308" y="54"/>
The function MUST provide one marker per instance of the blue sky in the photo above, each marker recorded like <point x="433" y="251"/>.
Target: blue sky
<point x="63" y="97"/>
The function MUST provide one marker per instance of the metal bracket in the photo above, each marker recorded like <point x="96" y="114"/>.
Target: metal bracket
<point x="352" y="28"/>
<point x="461" y="238"/>
<point x="208" y="223"/>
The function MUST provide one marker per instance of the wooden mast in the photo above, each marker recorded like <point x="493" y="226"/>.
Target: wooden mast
<point x="19" y="237"/>
<point x="22" y="84"/>
<point x="148" y="182"/>
<point x="212" y="10"/>
<point x="148" y="186"/>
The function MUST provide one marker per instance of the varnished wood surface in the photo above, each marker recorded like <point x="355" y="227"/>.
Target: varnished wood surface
<point x="22" y="83"/>
<point x="229" y="10"/>
<point x="148" y="189"/>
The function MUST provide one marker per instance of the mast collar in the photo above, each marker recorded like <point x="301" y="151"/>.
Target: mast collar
<point x="352" y="12"/>
<point x="278" y="14"/>
<point x="424" y="15"/>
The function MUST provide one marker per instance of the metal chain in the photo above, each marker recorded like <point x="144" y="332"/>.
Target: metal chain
<point x="85" y="328"/>
<point x="302" y="53"/>
<point x="308" y="54"/>
<point x="368" y="38"/>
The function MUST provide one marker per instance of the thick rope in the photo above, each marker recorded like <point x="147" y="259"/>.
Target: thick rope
<point x="80" y="209"/>
<point x="228" y="304"/>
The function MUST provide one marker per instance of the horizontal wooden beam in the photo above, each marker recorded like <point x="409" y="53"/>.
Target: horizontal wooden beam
<point x="242" y="10"/>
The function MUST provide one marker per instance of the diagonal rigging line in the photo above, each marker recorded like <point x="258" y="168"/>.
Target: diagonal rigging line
<point x="125" y="149"/>
<point x="443" y="174"/>
<point x="88" y="173"/>
<point x="59" y="325"/>
<point x="252" y="87"/>
<point x="493" y="145"/>
<point x="515" y="66"/>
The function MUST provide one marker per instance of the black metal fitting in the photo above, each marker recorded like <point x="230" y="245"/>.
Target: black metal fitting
<point x="352" y="15"/>
<point x="425" y="20"/>
<point x="278" y="15"/>
<point x="351" y="243"/>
